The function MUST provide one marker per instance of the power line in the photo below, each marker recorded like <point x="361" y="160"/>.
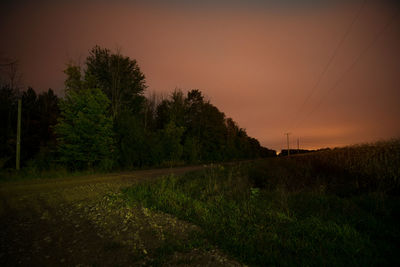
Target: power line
<point x="348" y="30"/>
<point x="354" y="63"/>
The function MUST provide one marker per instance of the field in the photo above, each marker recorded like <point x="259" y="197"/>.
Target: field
<point x="336" y="207"/>
<point x="332" y="208"/>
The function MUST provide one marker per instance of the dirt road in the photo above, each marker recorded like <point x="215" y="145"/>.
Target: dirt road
<point x="84" y="221"/>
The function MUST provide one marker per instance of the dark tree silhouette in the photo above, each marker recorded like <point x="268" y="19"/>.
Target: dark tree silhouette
<point x="118" y="76"/>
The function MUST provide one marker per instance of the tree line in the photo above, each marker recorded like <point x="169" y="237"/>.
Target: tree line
<point x="104" y="121"/>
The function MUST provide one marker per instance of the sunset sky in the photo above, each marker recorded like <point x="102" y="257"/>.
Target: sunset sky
<point x="257" y="61"/>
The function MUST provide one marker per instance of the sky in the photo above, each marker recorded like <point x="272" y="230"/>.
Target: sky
<point x="258" y="61"/>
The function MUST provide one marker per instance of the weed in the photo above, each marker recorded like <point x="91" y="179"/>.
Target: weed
<point x="306" y="210"/>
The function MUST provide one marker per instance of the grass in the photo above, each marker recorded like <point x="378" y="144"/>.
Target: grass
<point x="32" y="173"/>
<point x="171" y="245"/>
<point x="327" y="208"/>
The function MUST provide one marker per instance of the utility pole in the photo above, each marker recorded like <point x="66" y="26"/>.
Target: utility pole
<point x="17" y="158"/>
<point x="298" y="146"/>
<point x="288" y="148"/>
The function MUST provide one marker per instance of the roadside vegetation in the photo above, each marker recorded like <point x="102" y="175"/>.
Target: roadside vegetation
<point x="105" y="121"/>
<point x="330" y="208"/>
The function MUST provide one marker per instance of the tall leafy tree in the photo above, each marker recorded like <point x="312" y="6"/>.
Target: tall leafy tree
<point x="121" y="80"/>
<point x="84" y="129"/>
<point x="118" y="76"/>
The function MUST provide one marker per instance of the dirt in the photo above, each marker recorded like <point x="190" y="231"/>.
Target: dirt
<point x="84" y="221"/>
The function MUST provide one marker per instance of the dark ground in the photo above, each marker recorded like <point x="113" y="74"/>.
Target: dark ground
<point x="83" y="221"/>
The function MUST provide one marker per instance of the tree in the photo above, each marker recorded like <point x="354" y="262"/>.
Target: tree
<point x="30" y="124"/>
<point x="131" y="140"/>
<point x="49" y="112"/>
<point x="9" y="92"/>
<point x="191" y="149"/>
<point x="149" y="112"/>
<point x="39" y="115"/>
<point x="122" y="81"/>
<point x="177" y="108"/>
<point x="172" y="109"/>
<point x="232" y="129"/>
<point x="171" y="138"/>
<point x="213" y="132"/>
<point x="84" y="130"/>
<point x="8" y="100"/>
<point x="162" y="114"/>
<point x="119" y="77"/>
<point x="74" y="78"/>
<point x="194" y="121"/>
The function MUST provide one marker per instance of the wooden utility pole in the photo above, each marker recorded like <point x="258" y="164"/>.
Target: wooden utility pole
<point x="288" y="148"/>
<point x="17" y="158"/>
<point x="298" y="146"/>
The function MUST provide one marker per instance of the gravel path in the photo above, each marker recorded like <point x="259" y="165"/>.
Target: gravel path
<point x="84" y="221"/>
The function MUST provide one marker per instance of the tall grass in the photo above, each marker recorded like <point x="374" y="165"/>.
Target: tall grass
<point x="288" y="211"/>
<point x="354" y="169"/>
<point x="376" y="166"/>
<point x="31" y="172"/>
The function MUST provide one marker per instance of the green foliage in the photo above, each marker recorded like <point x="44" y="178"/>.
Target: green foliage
<point x="119" y="77"/>
<point x="273" y="223"/>
<point x="147" y="132"/>
<point x="207" y="135"/>
<point x="191" y="149"/>
<point x="170" y="139"/>
<point x="178" y="130"/>
<point x="85" y="130"/>
<point x="132" y="141"/>
<point x="74" y="78"/>
<point x="122" y="81"/>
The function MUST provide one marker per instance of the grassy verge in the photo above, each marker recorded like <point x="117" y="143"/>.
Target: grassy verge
<point x="274" y="213"/>
<point x="27" y="174"/>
